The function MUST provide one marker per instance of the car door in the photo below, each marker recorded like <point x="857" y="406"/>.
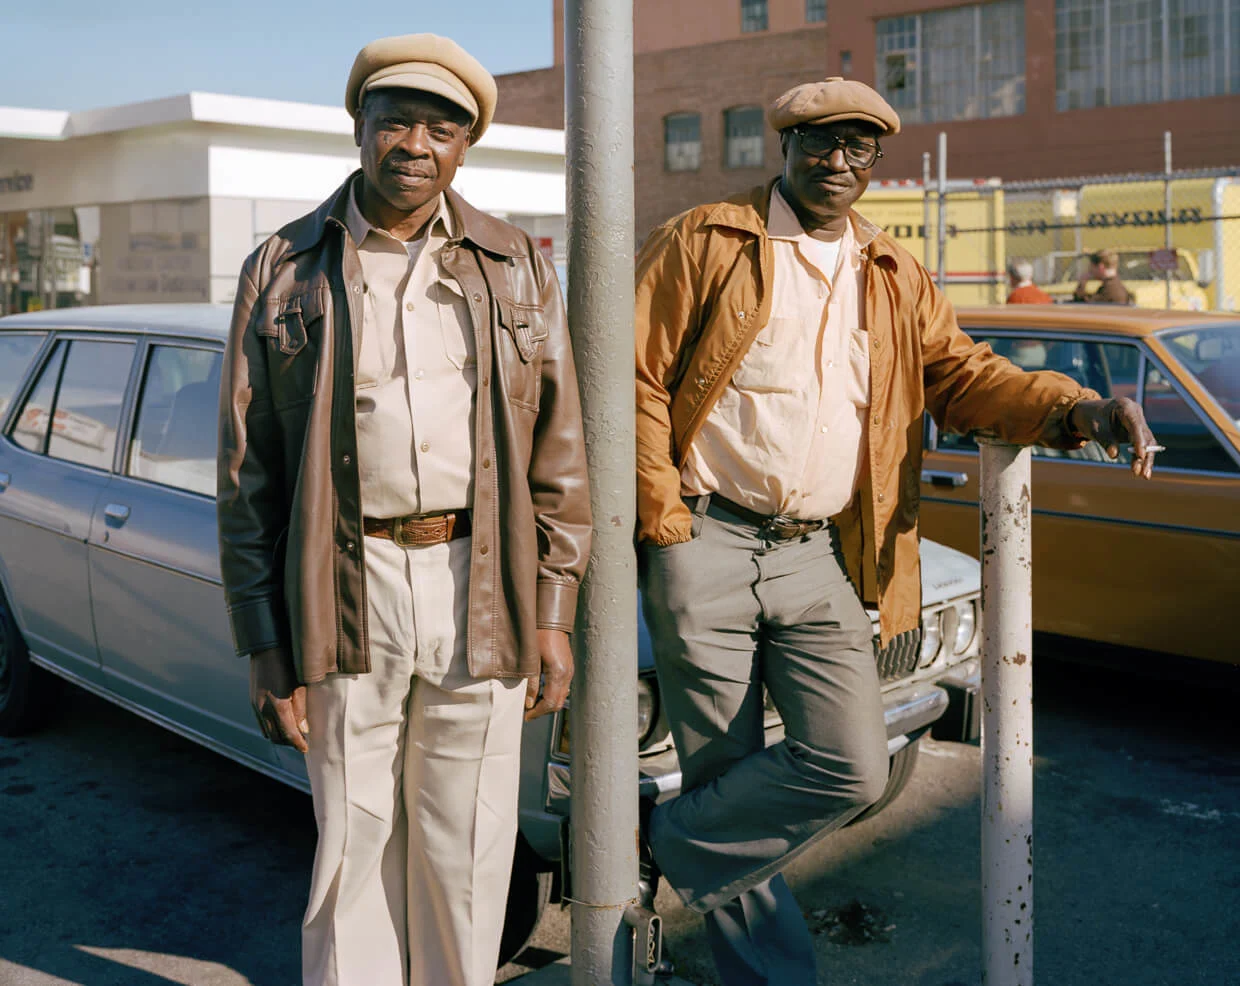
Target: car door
<point x="1140" y="564"/>
<point x="158" y="602"/>
<point x="58" y="453"/>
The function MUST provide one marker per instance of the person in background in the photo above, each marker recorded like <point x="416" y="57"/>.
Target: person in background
<point x="1104" y="267"/>
<point x="404" y="522"/>
<point x="1024" y="291"/>
<point x="787" y="350"/>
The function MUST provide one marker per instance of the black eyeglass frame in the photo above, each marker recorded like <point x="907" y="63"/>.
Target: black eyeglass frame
<point x="836" y="141"/>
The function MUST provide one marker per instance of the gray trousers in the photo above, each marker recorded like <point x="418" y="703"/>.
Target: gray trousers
<point x="730" y="613"/>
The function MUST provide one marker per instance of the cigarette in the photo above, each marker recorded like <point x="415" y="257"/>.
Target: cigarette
<point x="1151" y="448"/>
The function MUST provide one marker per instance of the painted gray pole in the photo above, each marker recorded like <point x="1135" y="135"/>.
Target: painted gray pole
<point x="1007" y="716"/>
<point x="925" y="208"/>
<point x="599" y="120"/>
<point x="941" y="279"/>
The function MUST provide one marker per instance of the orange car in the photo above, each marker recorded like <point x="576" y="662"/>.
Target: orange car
<point x="1152" y="565"/>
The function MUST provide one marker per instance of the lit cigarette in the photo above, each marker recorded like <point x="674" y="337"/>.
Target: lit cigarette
<point x="1151" y="448"/>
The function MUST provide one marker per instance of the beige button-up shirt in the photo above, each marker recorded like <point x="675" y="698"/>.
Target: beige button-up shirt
<point x="416" y="376"/>
<point x="786" y="435"/>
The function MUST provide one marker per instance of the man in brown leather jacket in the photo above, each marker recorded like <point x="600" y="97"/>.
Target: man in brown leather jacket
<point x="787" y="350"/>
<point x="404" y="523"/>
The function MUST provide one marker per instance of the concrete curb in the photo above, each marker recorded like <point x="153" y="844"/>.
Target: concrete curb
<point x="560" y="974"/>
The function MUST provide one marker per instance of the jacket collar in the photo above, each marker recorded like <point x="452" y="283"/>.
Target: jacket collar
<point x="485" y="232"/>
<point x="749" y="212"/>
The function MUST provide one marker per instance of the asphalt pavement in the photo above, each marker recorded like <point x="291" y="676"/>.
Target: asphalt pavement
<point x="130" y="857"/>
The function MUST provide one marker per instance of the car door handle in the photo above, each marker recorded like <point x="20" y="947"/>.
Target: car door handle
<point x="116" y="512"/>
<point x="5" y="479"/>
<point x="936" y="477"/>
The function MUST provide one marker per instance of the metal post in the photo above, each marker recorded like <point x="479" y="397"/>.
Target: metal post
<point x="599" y="118"/>
<point x="925" y="208"/>
<point x="1167" y="205"/>
<point x="942" y="230"/>
<point x="1007" y="716"/>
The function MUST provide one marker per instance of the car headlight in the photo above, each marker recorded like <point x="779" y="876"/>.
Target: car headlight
<point x="966" y="626"/>
<point x="931" y="638"/>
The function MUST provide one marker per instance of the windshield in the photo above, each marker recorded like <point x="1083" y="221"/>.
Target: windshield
<point x="1212" y="355"/>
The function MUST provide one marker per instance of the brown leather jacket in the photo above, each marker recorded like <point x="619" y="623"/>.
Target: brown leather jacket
<point x="703" y="294"/>
<point x="290" y="520"/>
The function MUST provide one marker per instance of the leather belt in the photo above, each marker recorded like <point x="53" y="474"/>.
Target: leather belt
<point x="420" y="530"/>
<point x="773" y="527"/>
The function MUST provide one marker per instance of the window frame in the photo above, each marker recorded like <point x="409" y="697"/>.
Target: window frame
<point x="33" y="366"/>
<point x="149" y="344"/>
<point x="684" y="114"/>
<point x="748" y="17"/>
<point x="69" y="336"/>
<point x="930" y="431"/>
<point x="727" y="138"/>
<point x="816" y="5"/>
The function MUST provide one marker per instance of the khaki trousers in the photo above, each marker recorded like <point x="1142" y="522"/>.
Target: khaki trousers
<point x="414" y="769"/>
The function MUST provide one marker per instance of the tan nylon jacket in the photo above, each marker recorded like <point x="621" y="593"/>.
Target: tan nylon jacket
<point x="703" y="294"/>
<point x="289" y="506"/>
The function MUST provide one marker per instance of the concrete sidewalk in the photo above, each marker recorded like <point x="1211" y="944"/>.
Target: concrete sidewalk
<point x="560" y="974"/>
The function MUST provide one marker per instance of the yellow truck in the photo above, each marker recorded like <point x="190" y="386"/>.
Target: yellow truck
<point x="1054" y="228"/>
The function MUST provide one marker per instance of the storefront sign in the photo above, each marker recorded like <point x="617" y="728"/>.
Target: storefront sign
<point x="16" y="182"/>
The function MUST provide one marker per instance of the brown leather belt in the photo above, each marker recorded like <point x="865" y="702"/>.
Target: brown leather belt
<point x="775" y="527"/>
<point x="419" y="530"/>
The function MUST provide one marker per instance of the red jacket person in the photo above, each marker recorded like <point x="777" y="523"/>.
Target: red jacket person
<point x="404" y="522"/>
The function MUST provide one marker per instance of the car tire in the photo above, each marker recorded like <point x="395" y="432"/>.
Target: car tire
<point x="26" y="692"/>
<point x="898" y="774"/>
<point x="529" y="892"/>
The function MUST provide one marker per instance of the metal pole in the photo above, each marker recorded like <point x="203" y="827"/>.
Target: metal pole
<point x="1167" y="205"/>
<point x="925" y="207"/>
<point x="942" y="230"/>
<point x="599" y="118"/>
<point x="1007" y="717"/>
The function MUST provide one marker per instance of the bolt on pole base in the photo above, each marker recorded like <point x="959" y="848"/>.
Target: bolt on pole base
<point x="1007" y="716"/>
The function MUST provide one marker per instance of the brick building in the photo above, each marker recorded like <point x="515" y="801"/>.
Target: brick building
<point x="1023" y="88"/>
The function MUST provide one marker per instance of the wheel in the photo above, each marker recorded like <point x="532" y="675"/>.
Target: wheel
<point x="902" y="763"/>
<point x="528" y="893"/>
<point x="26" y="692"/>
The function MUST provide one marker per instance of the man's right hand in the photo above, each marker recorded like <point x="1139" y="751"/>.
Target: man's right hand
<point x="279" y="701"/>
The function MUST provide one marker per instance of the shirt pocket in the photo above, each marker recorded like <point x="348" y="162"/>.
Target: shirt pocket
<point x="293" y="326"/>
<point x="455" y="324"/>
<point x="519" y="347"/>
<point x="857" y="378"/>
<point x="774" y="362"/>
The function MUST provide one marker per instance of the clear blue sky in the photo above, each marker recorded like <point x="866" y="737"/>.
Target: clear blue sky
<point x="80" y="54"/>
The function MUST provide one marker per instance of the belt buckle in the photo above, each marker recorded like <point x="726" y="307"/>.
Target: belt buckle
<point x="784" y="528"/>
<point x="398" y="532"/>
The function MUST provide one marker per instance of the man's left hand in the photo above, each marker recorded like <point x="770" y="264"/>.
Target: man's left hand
<point x="557" y="675"/>
<point x="1114" y="423"/>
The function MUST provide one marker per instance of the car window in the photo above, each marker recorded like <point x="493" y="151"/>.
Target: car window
<point x="1088" y="363"/>
<point x="16" y="352"/>
<point x="175" y="438"/>
<point x="31" y="428"/>
<point x="88" y="403"/>
<point x="1177" y="425"/>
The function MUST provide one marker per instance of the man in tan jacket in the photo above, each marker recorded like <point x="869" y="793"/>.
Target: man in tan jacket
<point x="404" y="522"/>
<point x="787" y="350"/>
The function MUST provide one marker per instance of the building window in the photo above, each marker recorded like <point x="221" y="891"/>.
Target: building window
<point x="682" y="142"/>
<point x="846" y="63"/>
<point x="965" y="63"/>
<point x="1116" y="52"/>
<point x="753" y="15"/>
<point x="742" y="129"/>
<point x="815" y="11"/>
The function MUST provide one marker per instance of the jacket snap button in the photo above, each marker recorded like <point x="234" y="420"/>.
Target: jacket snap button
<point x="486" y="463"/>
<point x="881" y="497"/>
<point x="349" y="546"/>
<point x="740" y="315"/>
<point x="486" y="381"/>
<point x="477" y="296"/>
<point x="482" y="550"/>
<point x="357" y="289"/>
<point x="346" y="459"/>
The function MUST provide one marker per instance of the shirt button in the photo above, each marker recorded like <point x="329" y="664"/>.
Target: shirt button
<point x="419" y="374"/>
<point x="486" y="463"/>
<point x="482" y="550"/>
<point x="426" y="446"/>
<point x="408" y="306"/>
<point x="477" y="296"/>
<point x="824" y="429"/>
<point x="357" y="289"/>
<point x="830" y="363"/>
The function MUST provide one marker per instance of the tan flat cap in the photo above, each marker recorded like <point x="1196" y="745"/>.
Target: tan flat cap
<point x="831" y="100"/>
<point x="429" y="63"/>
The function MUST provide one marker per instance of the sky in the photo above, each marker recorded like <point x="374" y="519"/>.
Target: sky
<point x="82" y="54"/>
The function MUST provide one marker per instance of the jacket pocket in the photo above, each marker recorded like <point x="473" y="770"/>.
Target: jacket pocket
<point x="519" y="348"/>
<point x="293" y="326"/>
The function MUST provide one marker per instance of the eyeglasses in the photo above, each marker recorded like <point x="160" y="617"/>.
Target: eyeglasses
<point x="858" y="153"/>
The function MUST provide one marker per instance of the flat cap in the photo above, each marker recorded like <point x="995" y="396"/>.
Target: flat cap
<point x="431" y="64"/>
<point x="832" y="100"/>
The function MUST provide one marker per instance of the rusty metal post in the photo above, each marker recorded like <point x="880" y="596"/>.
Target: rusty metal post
<point x="599" y="119"/>
<point x="1007" y="716"/>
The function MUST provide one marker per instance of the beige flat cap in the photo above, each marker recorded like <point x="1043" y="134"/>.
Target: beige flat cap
<point x="831" y="100"/>
<point x="431" y="64"/>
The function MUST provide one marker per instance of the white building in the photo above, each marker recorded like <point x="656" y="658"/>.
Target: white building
<point x="163" y="200"/>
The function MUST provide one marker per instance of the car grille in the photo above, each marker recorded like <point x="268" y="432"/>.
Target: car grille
<point x="899" y="658"/>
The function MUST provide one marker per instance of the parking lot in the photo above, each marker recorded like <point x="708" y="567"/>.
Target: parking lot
<point x="133" y="858"/>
